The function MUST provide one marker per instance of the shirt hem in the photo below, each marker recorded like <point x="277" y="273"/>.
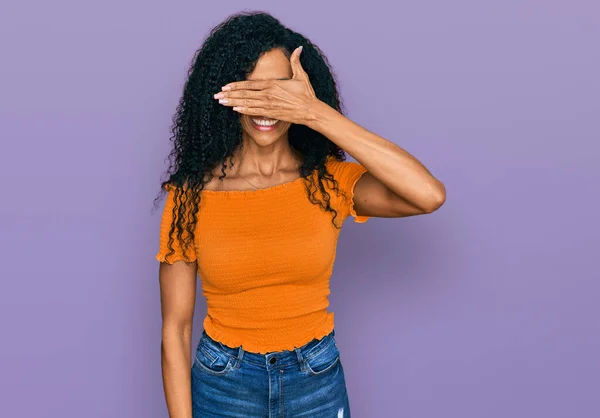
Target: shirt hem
<point x="318" y="333"/>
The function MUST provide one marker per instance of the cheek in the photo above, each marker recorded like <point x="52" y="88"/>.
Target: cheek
<point x="246" y="122"/>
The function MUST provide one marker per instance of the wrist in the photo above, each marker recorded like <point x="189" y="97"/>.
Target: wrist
<point x="321" y="114"/>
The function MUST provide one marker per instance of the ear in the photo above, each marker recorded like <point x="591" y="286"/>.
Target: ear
<point x="297" y="70"/>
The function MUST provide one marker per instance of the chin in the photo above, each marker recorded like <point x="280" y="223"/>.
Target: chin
<point x="264" y="140"/>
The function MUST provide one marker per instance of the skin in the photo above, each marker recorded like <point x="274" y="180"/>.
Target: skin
<point x="178" y="298"/>
<point x="396" y="184"/>
<point x="266" y="158"/>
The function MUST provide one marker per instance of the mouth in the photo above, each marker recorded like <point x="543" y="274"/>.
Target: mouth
<point x="264" y="124"/>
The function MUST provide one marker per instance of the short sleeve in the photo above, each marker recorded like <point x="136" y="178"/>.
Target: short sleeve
<point x="347" y="174"/>
<point x="164" y="254"/>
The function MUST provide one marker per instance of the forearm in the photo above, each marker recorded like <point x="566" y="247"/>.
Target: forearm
<point x="175" y="359"/>
<point x="401" y="172"/>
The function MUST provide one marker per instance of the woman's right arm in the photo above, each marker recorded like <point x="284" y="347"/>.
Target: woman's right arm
<point x="178" y="296"/>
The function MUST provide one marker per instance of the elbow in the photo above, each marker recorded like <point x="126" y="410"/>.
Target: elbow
<point x="436" y="200"/>
<point x="177" y="330"/>
<point x="175" y="340"/>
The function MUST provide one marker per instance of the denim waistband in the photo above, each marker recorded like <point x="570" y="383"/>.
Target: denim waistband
<point x="282" y="358"/>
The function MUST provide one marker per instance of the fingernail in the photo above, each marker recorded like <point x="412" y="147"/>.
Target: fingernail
<point x="300" y="48"/>
<point x="223" y="101"/>
<point x="219" y="95"/>
<point x="225" y="88"/>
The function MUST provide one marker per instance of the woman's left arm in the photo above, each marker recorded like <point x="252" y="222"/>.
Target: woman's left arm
<point x="396" y="184"/>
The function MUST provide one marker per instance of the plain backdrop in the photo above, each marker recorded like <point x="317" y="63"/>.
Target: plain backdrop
<point x="486" y="308"/>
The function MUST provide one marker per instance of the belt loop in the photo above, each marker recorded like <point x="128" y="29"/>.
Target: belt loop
<point x="300" y="358"/>
<point x="240" y="356"/>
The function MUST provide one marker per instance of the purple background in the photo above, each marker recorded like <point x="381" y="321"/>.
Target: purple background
<point x="486" y="308"/>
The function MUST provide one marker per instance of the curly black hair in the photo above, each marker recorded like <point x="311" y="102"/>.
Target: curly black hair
<point x="205" y="133"/>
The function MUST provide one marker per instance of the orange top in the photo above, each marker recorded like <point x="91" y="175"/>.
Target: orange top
<point x="265" y="258"/>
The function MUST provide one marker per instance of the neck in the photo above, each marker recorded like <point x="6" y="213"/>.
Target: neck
<point x="266" y="161"/>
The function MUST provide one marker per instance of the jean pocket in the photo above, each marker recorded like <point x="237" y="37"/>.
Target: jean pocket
<point x="213" y="361"/>
<point x="323" y="359"/>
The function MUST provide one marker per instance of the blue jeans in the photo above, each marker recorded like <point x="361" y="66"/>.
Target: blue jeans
<point x="304" y="382"/>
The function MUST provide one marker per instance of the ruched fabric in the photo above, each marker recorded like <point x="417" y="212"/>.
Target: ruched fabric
<point x="265" y="258"/>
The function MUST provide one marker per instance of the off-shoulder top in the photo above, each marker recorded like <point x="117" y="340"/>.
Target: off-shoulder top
<point x="265" y="258"/>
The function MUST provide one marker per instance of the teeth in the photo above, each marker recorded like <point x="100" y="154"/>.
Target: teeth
<point x="263" y="122"/>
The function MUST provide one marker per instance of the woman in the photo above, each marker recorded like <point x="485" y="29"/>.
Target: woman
<point x="257" y="191"/>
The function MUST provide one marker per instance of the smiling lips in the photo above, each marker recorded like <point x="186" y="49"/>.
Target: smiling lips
<point x="264" y="124"/>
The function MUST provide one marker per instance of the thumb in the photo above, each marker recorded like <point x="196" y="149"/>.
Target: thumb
<point x="297" y="70"/>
